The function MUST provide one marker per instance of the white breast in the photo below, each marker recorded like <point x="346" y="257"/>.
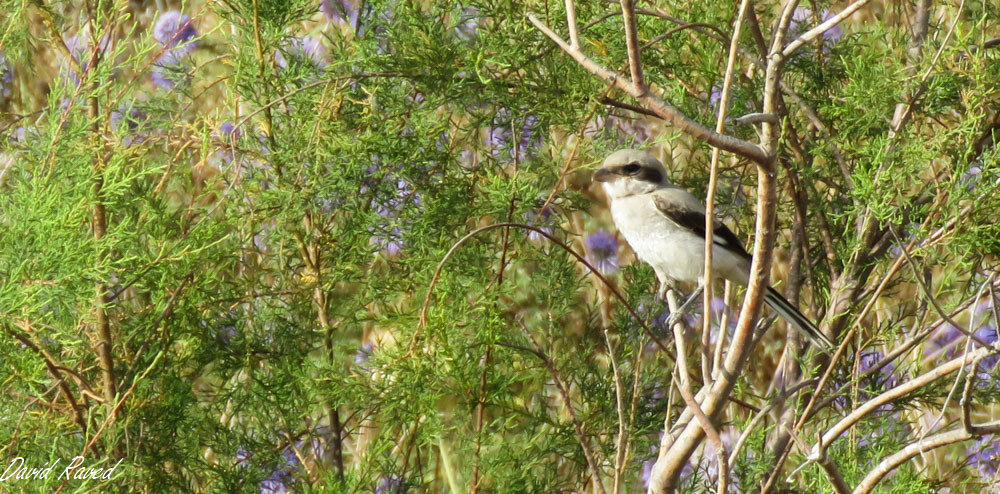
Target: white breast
<point x="672" y="251"/>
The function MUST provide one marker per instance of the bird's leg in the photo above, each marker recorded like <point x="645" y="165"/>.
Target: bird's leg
<point x="666" y="283"/>
<point x="677" y="314"/>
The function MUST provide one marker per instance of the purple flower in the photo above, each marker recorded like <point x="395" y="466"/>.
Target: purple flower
<point x="242" y="457"/>
<point x="340" y="11"/>
<point x="126" y="121"/>
<point x="391" y="484"/>
<point x="168" y="70"/>
<point x="6" y="76"/>
<point x="364" y="354"/>
<point x="541" y="218"/>
<point x="79" y="48"/>
<point x="802" y="17"/>
<point x="283" y="475"/>
<point x="602" y="251"/>
<point x="984" y="455"/>
<point x="986" y="372"/>
<point x="885" y="378"/>
<point x="943" y="341"/>
<point x="305" y="52"/>
<point x="714" y="96"/>
<point x="500" y="135"/>
<point x="226" y="132"/>
<point x="388" y="235"/>
<point x="468" y="22"/>
<point x="176" y="32"/>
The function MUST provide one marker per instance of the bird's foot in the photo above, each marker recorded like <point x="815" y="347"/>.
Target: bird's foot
<point x="676" y="315"/>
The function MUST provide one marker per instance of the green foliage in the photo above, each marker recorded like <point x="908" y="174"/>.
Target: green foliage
<point x="279" y="189"/>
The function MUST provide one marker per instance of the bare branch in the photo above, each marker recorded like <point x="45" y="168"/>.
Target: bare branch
<point x="574" y="34"/>
<point x="823" y="27"/>
<point x="692" y="405"/>
<point x="625" y="106"/>
<point x="54" y="369"/>
<point x="654" y="103"/>
<point x="632" y="43"/>
<point x="756" y="118"/>
<point x="713" y="178"/>
<point x="893" y="461"/>
<point x="581" y="437"/>
<point x="899" y="391"/>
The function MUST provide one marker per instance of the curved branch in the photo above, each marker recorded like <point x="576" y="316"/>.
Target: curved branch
<point x="665" y="110"/>
<point x="893" y="461"/>
<point x="903" y="389"/>
<point x="437" y="274"/>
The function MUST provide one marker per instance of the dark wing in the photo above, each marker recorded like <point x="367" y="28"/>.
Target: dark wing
<point x="695" y="222"/>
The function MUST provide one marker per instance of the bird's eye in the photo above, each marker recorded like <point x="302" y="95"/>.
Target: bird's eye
<point x="631" y="168"/>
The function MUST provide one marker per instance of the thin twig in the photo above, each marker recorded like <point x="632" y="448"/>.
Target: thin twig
<point x="596" y="272"/>
<point x="823" y="27"/>
<point x="895" y="393"/>
<point x="581" y="437"/>
<point x="632" y="44"/>
<point x="893" y="461"/>
<point x="654" y="103"/>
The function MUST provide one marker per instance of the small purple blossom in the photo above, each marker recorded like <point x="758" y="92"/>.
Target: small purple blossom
<point x="886" y="377"/>
<point x="127" y="120"/>
<point x="340" y="11"/>
<point x="834" y="33"/>
<point x="802" y="20"/>
<point x="79" y="48"/>
<point x="987" y="370"/>
<point x="6" y="76"/>
<point x="541" y="218"/>
<point x="714" y="96"/>
<point x="468" y="22"/>
<point x="602" y="251"/>
<point x="391" y="484"/>
<point x="169" y="70"/>
<point x="943" y="341"/>
<point x="364" y="354"/>
<point x="500" y="135"/>
<point x="388" y="236"/>
<point x="283" y="476"/>
<point x="176" y="32"/>
<point x="305" y="52"/>
<point x="984" y="455"/>
<point x="228" y="131"/>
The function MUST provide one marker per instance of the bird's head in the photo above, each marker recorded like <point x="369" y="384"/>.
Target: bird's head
<point x="630" y="172"/>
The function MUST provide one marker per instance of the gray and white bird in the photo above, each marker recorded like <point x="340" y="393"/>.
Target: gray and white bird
<point x="665" y="225"/>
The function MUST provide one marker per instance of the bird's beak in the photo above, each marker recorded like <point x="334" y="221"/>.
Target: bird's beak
<point x="603" y="175"/>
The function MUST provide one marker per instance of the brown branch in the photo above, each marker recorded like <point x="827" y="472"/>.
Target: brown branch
<point x="422" y="321"/>
<point x="654" y="103"/>
<point x="823" y="27"/>
<point x="581" y="437"/>
<point x="667" y="469"/>
<point x="574" y="34"/>
<point x="53" y="368"/>
<point x="623" y="425"/>
<point x="632" y="44"/>
<point x="713" y="178"/>
<point x="893" y="461"/>
<point x="671" y="31"/>
<point x="895" y="393"/>
<point x="625" y="106"/>
<point x="684" y="386"/>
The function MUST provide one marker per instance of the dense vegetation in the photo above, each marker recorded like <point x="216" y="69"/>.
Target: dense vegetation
<point x="352" y="246"/>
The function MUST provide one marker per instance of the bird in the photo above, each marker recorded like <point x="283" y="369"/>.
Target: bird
<point x="665" y="226"/>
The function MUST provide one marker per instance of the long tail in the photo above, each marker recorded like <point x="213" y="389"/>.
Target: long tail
<point x="785" y="309"/>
